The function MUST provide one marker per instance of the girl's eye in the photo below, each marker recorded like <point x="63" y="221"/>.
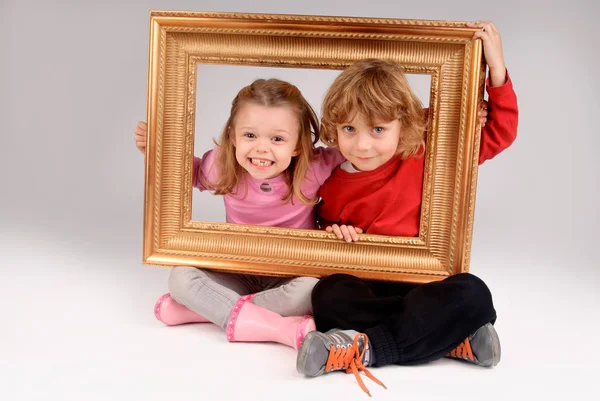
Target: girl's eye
<point x="378" y="130"/>
<point x="277" y="139"/>
<point x="249" y="135"/>
<point x="348" y="128"/>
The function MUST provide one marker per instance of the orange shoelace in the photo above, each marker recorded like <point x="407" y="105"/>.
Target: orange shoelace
<point x="350" y="358"/>
<point x="463" y="351"/>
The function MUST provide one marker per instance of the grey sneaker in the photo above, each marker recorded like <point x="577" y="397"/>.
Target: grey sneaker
<point x="481" y="347"/>
<point x="336" y="350"/>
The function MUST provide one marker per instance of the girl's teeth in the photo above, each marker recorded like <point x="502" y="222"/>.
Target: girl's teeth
<point x="261" y="163"/>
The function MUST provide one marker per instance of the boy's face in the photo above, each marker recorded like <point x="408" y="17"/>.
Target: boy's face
<point x="368" y="146"/>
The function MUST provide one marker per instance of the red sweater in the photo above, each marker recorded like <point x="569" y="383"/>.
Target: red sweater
<point x="387" y="200"/>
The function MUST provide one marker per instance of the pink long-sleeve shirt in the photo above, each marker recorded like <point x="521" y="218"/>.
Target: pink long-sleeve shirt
<point x="265" y="208"/>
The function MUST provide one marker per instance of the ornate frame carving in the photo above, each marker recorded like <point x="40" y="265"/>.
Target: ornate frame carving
<point x="443" y="49"/>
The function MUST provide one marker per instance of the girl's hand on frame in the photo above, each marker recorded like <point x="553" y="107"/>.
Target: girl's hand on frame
<point x="140" y="132"/>
<point x="348" y="233"/>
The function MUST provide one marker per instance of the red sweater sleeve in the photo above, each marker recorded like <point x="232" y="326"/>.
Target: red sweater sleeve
<point x="500" y="130"/>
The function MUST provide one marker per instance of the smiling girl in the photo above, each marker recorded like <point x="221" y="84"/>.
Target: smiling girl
<point x="268" y="170"/>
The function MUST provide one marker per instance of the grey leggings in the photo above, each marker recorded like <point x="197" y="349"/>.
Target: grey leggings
<point x="213" y="294"/>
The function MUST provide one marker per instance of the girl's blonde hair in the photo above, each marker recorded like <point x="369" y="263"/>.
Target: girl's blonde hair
<point x="378" y="90"/>
<point x="269" y="93"/>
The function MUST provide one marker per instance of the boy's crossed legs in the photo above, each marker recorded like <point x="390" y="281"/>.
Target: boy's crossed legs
<point x="364" y="323"/>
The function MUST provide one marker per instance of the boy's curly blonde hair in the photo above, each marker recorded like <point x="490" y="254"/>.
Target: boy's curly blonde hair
<point x="379" y="90"/>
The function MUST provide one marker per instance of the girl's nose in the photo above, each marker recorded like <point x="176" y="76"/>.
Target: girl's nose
<point x="262" y="146"/>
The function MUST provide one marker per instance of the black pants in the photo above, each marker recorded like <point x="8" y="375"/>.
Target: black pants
<point x="406" y="323"/>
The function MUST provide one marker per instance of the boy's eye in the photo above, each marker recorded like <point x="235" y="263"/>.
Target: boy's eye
<point x="378" y="130"/>
<point x="348" y="128"/>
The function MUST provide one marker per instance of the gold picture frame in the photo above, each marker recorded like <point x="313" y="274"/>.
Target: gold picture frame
<point x="444" y="49"/>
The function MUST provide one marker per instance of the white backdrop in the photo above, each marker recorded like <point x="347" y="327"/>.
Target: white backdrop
<point x="77" y="318"/>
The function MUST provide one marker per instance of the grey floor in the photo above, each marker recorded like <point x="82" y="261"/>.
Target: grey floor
<point x="76" y="328"/>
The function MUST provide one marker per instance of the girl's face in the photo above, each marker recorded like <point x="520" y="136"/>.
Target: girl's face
<point x="265" y="139"/>
<point x="368" y="146"/>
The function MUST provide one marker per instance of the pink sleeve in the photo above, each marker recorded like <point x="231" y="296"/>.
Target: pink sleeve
<point x="204" y="170"/>
<point x="327" y="159"/>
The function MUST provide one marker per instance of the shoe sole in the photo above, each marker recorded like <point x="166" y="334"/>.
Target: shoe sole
<point x="158" y="306"/>
<point x="496" y="350"/>
<point x="495" y="346"/>
<point x="307" y="323"/>
<point x="303" y="355"/>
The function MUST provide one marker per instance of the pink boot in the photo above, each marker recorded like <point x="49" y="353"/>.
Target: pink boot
<point x="251" y="323"/>
<point x="171" y="313"/>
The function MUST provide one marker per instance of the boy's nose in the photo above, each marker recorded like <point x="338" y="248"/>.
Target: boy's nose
<point x="363" y="142"/>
